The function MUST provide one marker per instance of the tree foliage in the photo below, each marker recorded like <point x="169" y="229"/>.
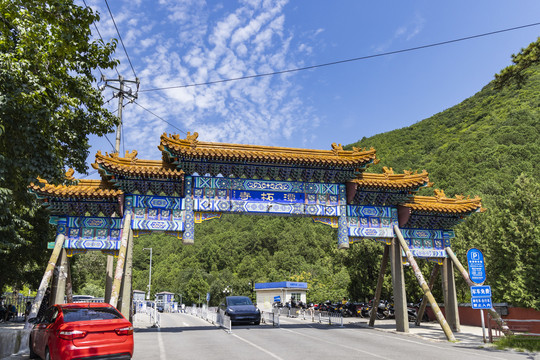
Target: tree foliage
<point x="488" y="145"/>
<point x="237" y="251"/>
<point x="517" y="73"/>
<point x="48" y="107"/>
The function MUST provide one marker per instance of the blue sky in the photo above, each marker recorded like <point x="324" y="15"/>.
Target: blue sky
<point x="173" y="43"/>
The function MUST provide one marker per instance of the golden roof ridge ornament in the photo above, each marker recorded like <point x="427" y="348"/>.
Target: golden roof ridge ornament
<point x="387" y="171"/>
<point x="132" y="156"/>
<point x="439" y="194"/>
<point x="69" y="174"/>
<point x="336" y="148"/>
<point x="113" y="155"/>
<point x="192" y="138"/>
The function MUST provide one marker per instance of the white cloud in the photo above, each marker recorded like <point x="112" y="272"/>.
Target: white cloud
<point x="407" y="32"/>
<point x="187" y="42"/>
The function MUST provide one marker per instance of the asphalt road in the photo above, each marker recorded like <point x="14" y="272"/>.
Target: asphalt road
<point x="183" y="336"/>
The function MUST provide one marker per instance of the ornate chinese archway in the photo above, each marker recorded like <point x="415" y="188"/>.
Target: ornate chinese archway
<point x="197" y="181"/>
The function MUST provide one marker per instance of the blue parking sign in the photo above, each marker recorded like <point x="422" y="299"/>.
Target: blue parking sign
<point x="477" y="270"/>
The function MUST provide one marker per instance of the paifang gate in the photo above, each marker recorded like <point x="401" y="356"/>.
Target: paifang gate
<point x="197" y="181"/>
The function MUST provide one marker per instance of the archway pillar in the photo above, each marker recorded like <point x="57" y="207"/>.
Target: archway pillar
<point x="450" y="295"/>
<point x="125" y="300"/>
<point x="58" y="288"/>
<point x="398" y="285"/>
<point x="188" y="237"/>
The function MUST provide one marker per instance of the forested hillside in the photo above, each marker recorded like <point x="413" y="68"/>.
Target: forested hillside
<point x="489" y="145"/>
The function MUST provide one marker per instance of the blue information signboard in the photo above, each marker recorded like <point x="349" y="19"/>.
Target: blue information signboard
<point x="481" y="297"/>
<point x="277" y="298"/>
<point x="477" y="270"/>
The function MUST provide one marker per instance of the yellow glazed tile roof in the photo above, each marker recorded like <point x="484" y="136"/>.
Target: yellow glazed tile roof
<point x="90" y="189"/>
<point x="390" y="180"/>
<point x="441" y="204"/>
<point x="190" y="147"/>
<point x="131" y="166"/>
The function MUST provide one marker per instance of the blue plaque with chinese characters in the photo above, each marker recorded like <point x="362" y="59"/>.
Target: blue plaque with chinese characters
<point x="481" y="297"/>
<point x="268" y="196"/>
<point x="477" y="270"/>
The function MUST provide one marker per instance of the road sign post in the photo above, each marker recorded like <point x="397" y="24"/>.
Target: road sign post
<point x="477" y="270"/>
<point x="481" y="299"/>
<point x="480" y="295"/>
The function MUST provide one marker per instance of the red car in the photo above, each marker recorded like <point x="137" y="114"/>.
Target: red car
<point x="81" y="330"/>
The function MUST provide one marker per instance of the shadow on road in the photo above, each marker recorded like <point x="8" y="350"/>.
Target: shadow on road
<point x="179" y="329"/>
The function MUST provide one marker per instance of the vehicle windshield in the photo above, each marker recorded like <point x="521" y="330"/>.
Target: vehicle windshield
<point x="87" y="314"/>
<point x="239" y="301"/>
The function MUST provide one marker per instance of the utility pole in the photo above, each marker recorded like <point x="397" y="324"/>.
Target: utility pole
<point x="150" y="276"/>
<point x="120" y="106"/>
<point x="132" y="97"/>
<point x="121" y="94"/>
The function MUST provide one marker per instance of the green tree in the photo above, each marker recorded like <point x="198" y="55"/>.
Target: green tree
<point x="48" y="107"/>
<point x="517" y="73"/>
<point x="509" y="235"/>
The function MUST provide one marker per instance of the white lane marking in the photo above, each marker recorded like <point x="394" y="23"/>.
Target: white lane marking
<point x="161" y="346"/>
<point x="334" y="344"/>
<point x="400" y="338"/>
<point x="258" y="347"/>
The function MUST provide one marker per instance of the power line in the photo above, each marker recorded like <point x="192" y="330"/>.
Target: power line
<point x="101" y="37"/>
<point x="159" y="117"/>
<point x="89" y="174"/>
<point x="343" y="61"/>
<point x="120" y="37"/>
<point x="109" y="141"/>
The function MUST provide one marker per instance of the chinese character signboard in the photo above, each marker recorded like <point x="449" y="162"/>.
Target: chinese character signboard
<point x="481" y="297"/>
<point x="477" y="270"/>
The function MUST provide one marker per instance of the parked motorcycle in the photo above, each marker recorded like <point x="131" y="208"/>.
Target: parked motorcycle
<point x="383" y="310"/>
<point x="412" y="310"/>
<point x="363" y="310"/>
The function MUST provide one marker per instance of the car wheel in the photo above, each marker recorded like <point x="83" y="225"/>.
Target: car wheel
<point x="33" y="355"/>
<point x="258" y="322"/>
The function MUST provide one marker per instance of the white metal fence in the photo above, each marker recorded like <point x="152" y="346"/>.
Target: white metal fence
<point x="212" y="315"/>
<point x="270" y="318"/>
<point x="332" y="318"/>
<point x="145" y="312"/>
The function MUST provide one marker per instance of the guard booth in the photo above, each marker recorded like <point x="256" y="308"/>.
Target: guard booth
<point x="268" y="293"/>
<point x="139" y="302"/>
<point x="166" y="299"/>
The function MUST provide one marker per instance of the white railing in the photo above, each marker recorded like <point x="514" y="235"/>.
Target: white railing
<point x="144" y="314"/>
<point x="270" y="318"/>
<point x="332" y="318"/>
<point x="212" y="315"/>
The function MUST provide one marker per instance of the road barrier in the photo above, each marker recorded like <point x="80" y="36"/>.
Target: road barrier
<point x="212" y="315"/>
<point x="145" y="312"/>
<point x="333" y="318"/>
<point x="517" y="326"/>
<point x="289" y="312"/>
<point x="270" y="318"/>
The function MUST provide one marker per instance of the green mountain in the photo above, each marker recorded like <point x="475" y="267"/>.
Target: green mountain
<point x="488" y="145"/>
<point x="479" y="146"/>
